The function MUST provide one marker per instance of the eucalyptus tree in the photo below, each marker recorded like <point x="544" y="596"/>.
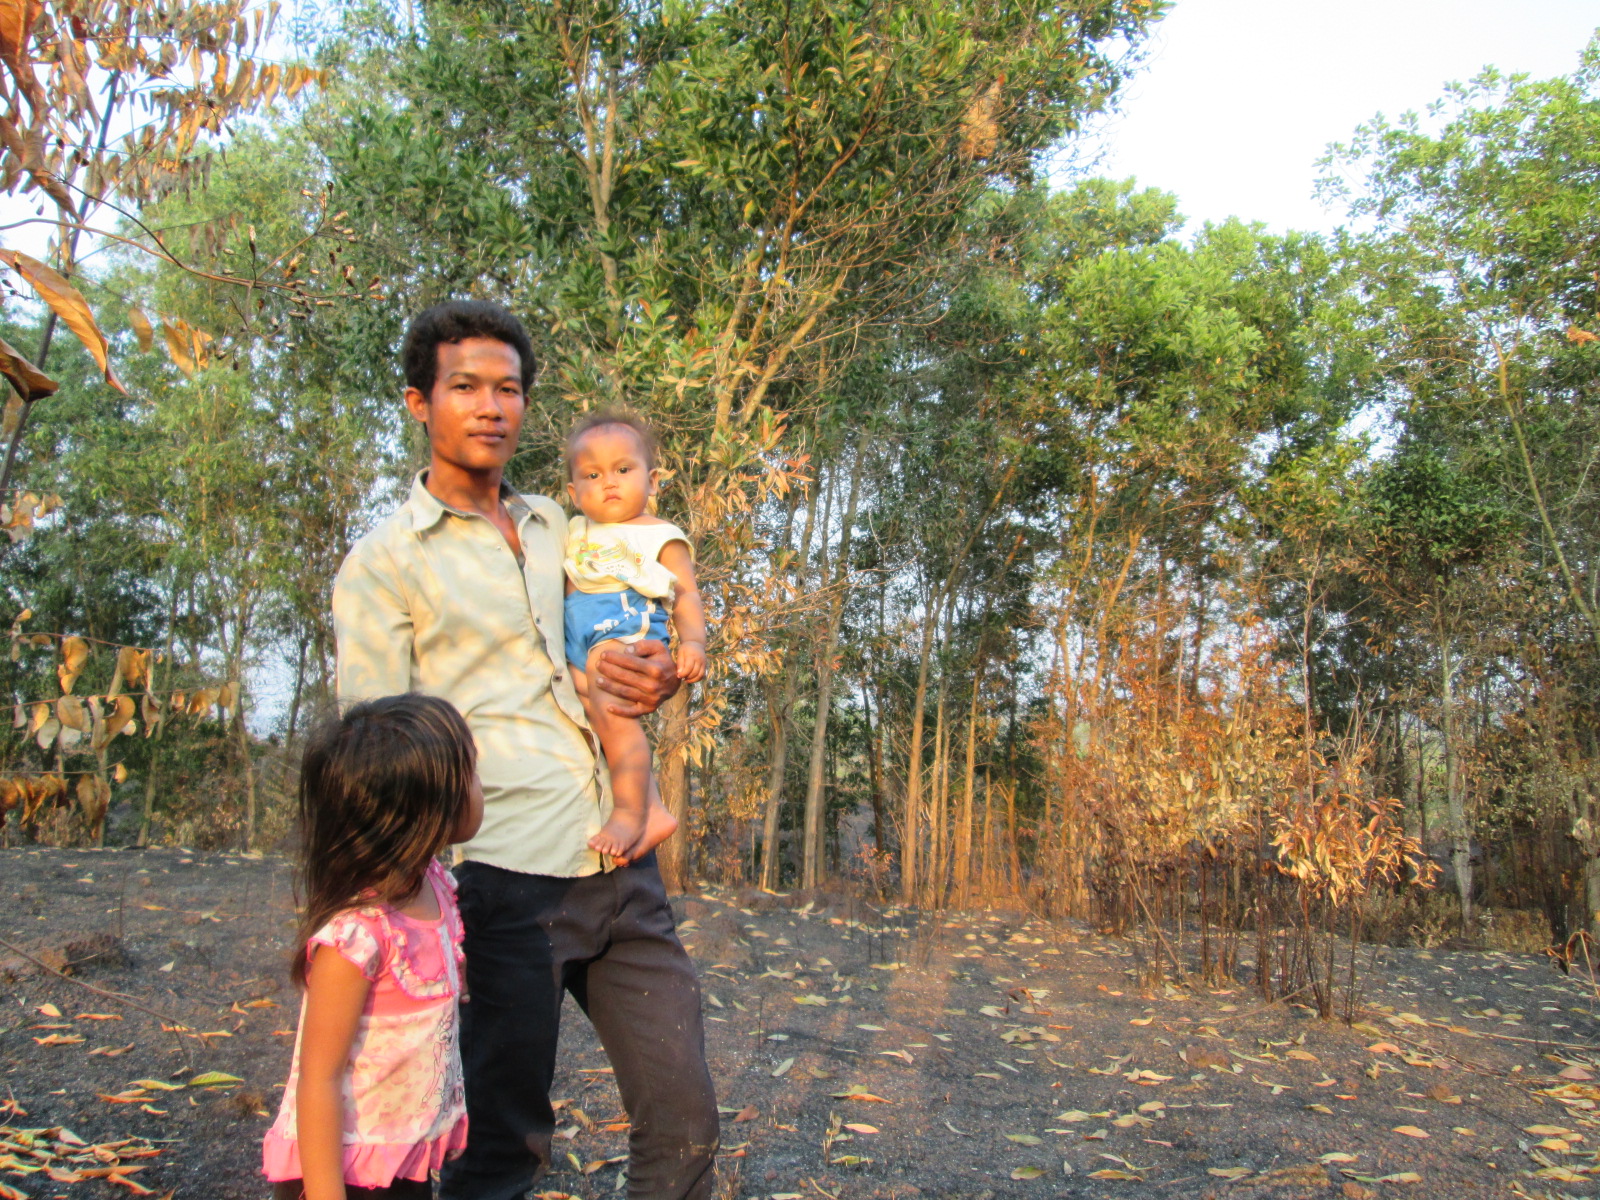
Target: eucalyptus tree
<point x="1482" y="297"/>
<point x="1437" y="537"/>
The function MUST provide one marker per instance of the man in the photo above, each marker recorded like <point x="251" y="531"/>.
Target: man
<point x="460" y="594"/>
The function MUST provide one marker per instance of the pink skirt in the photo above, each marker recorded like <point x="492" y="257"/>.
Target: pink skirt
<point x="368" y="1164"/>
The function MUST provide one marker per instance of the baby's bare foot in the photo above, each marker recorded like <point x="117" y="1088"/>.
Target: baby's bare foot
<point x="618" y="835"/>
<point x="659" y="825"/>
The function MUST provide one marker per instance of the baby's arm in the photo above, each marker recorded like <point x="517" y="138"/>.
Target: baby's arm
<point x="688" y="614"/>
<point x="336" y="990"/>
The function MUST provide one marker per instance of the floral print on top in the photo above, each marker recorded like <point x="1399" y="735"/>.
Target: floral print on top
<point x="404" y="1106"/>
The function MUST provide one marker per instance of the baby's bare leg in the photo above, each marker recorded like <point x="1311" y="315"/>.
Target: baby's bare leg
<point x="627" y="751"/>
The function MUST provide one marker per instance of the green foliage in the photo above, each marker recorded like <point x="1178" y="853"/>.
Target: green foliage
<point x="1425" y="513"/>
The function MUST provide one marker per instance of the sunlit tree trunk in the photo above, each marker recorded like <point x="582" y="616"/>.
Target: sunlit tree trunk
<point x="836" y="580"/>
<point x="963" y="864"/>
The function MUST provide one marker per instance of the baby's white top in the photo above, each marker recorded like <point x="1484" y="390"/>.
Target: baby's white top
<point x="610" y="558"/>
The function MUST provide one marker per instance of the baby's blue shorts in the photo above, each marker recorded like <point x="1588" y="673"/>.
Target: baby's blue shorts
<point x="595" y="617"/>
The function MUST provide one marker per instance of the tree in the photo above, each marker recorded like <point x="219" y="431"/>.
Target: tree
<point x="185" y="68"/>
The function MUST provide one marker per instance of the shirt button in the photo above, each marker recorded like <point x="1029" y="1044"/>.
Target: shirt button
<point x="558" y="676"/>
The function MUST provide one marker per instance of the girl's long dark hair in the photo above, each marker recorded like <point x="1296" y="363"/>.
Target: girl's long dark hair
<point x="381" y="790"/>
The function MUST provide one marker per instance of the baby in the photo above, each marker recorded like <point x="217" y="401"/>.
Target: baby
<point x="625" y="566"/>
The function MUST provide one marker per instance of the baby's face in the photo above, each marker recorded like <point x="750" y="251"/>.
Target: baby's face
<point x="610" y="478"/>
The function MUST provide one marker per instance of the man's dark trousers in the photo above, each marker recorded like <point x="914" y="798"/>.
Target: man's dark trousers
<point x="609" y="940"/>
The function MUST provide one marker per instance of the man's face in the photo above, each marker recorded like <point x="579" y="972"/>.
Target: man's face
<point x="474" y="412"/>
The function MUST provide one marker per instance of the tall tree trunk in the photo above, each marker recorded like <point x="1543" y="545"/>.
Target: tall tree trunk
<point x="247" y="765"/>
<point x="1422" y="796"/>
<point x="987" y="876"/>
<point x="299" y="692"/>
<point x="1460" y="835"/>
<point x="780" y="702"/>
<point x="672" y="769"/>
<point x="837" y="580"/>
<point x="777" y="762"/>
<point x="874" y="768"/>
<point x="938" y="860"/>
<point x="910" y="826"/>
<point x="964" y="825"/>
<point x="1011" y="836"/>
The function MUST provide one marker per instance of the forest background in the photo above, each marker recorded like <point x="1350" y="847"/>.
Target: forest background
<point x="1053" y="558"/>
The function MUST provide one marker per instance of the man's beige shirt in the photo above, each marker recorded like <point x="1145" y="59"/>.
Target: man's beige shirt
<point x="433" y="600"/>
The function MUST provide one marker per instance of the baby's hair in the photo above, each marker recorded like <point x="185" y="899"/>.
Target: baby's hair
<point x="600" y="418"/>
<point x="381" y="790"/>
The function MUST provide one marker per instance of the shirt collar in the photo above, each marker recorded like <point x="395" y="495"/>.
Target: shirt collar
<point x="427" y="510"/>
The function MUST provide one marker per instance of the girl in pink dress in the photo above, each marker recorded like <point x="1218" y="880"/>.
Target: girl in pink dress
<point x="374" y="1101"/>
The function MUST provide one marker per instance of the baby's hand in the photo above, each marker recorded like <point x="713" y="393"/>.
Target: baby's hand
<point x="691" y="661"/>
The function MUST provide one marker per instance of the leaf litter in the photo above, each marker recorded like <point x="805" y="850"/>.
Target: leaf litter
<point x="1217" y="1088"/>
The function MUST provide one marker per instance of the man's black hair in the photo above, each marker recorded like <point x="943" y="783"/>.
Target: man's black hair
<point x="455" y="321"/>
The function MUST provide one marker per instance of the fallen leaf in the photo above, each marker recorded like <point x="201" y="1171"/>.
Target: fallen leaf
<point x="214" y="1079"/>
<point x="860" y="1128"/>
<point x="1411" y="1131"/>
<point x="857" y="1092"/>
<point x="1560" y="1175"/>
<point x="782" y="1068"/>
<point x="1023" y="1139"/>
<point x="1228" y="1172"/>
<point x="1026" y="1172"/>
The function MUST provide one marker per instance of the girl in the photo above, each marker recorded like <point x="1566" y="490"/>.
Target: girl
<point x="374" y="1100"/>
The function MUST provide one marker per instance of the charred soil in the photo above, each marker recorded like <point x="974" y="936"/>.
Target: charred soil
<point x="858" y="1050"/>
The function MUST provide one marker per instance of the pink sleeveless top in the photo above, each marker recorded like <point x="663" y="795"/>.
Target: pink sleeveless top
<point x="404" y="1106"/>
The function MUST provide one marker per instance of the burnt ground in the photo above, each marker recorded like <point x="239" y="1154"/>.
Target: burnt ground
<point x="858" y="1051"/>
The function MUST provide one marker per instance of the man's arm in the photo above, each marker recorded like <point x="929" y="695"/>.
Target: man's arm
<point x="640" y="678"/>
<point x="372" y="631"/>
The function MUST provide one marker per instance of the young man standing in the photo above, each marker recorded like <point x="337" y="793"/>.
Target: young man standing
<point x="460" y="594"/>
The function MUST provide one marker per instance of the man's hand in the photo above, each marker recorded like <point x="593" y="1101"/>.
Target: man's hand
<point x="641" y="677"/>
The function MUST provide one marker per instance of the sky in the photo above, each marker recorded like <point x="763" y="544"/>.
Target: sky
<point x="1237" y="99"/>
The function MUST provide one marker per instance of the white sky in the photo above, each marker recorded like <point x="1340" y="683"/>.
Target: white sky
<point x="1238" y="98"/>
